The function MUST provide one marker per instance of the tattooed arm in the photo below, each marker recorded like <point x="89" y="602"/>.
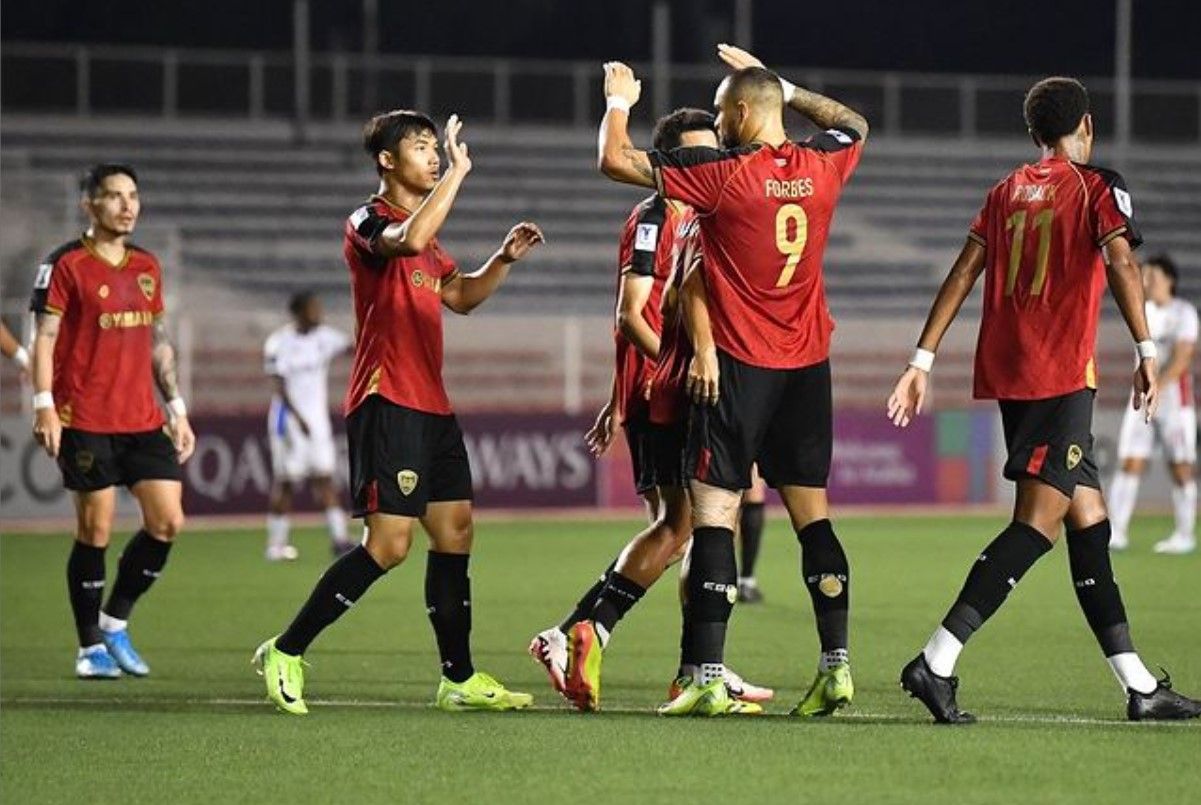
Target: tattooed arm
<point x="166" y="376"/>
<point x="47" y="428"/>
<point x="618" y="158"/>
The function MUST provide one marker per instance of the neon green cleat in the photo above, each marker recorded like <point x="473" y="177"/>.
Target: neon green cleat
<point x="284" y="675"/>
<point x="479" y="692"/>
<point x="713" y="699"/>
<point x="830" y="691"/>
<point x="583" y="680"/>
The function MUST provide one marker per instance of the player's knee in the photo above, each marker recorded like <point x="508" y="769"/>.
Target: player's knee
<point x="164" y="526"/>
<point x="1133" y="466"/>
<point x="1182" y="474"/>
<point x="390" y="548"/>
<point x="713" y="507"/>
<point x="94" y="534"/>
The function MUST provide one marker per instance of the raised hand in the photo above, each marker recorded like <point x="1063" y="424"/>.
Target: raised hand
<point x="736" y="58"/>
<point x="620" y="81"/>
<point x="456" y="152"/>
<point x="520" y="240"/>
<point x="907" y="397"/>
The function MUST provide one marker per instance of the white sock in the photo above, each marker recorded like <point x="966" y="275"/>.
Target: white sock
<point x="85" y="649"/>
<point x="108" y="623"/>
<point x="277" y="530"/>
<point x="751" y="580"/>
<point x="1123" y="491"/>
<point x="942" y="652"/>
<point x="711" y="671"/>
<point x="1184" y="502"/>
<point x="335" y="520"/>
<point x="602" y="634"/>
<point x="829" y="659"/>
<point x="1131" y="673"/>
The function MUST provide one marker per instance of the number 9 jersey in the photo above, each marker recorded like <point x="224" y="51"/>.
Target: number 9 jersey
<point x="1043" y="228"/>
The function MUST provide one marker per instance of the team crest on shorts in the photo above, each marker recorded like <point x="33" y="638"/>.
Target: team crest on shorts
<point x="407" y="481"/>
<point x="146" y="283"/>
<point x="85" y="460"/>
<point x="731" y="593"/>
<point x="1074" y="456"/>
<point x="830" y="585"/>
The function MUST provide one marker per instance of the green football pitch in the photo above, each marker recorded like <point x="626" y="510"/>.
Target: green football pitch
<point x="198" y="729"/>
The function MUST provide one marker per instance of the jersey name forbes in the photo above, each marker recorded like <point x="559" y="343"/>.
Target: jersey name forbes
<point x="788" y="188"/>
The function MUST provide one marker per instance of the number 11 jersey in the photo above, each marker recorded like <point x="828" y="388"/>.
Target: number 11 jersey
<point x="1043" y="228"/>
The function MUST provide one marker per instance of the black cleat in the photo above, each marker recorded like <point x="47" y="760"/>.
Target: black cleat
<point x="934" y="691"/>
<point x="1161" y="704"/>
<point x="749" y="593"/>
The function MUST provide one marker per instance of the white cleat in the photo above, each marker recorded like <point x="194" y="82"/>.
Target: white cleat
<point x="1176" y="545"/>
<point x="282" y="553"/>
<point x="549" y="648"/>
<point x="1118" y="541"/>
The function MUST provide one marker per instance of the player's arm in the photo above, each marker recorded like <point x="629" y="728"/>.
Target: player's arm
<point x="909" y="394"/>
<point x="600" y="435"/>
<point x="464" y="293"/>
<point x="1182" y="359"/>
<point x="414" y="234"/>
<point x="1126" y="285"/>
<point x="11" y="348"/>
<point x="632" y="297"/>
<point x="47" y="428"/>
<point x="617" y="157"/>
<point x="281" y="391"/>
<point x="166" y="377"/>
<point x="826" y="113"/>
<point x="703" y="370"/>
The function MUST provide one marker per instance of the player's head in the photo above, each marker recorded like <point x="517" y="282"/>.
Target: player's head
<point x="684" y="128"/>
<point x="109" y="197"/>
<point x="1160" y="277"/>
<point x="747" y="101"/>
<point x="305" y="307"/>
<point x="403" y="145"/>
<point x="1056" y="108"/>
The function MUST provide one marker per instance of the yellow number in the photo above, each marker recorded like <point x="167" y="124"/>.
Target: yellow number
<point x="1017" y="222"/>
<point x="792" y="247"/>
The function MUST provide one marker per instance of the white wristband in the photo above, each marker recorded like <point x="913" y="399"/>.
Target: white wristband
<point x="617" y="102"/>
<point x="43" y="399"/>
<point x="787" y="87"/>
<point x="922" y="359"/>
<point x="21" y="356"/>
<point x="177" y="407"/>
<point x="1146" y="349"/>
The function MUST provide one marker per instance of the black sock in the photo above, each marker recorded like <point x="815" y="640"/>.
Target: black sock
<point x="827" y="576"/>
<point x="998" y="570"/>
<point x="1096" y="590"/>
<point x="583" y="608"/>
<point x="85" y="587"/>
<point x="619" y="595"/>
<point x="448" y="602"/>
<point x="340" y="586"/>
<point x="712" y="590"/>
<point x="750" y="529"/>
<point x="140" y="565"/>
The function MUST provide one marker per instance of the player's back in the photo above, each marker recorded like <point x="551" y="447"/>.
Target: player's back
<point x="1043" y="227"/>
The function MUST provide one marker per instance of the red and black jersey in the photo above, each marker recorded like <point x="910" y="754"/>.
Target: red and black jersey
<point x="103" y="374"/>
<point x="765" y="217"/>
<point x="1042" y="228"/>
<point x="668" y="401"/>
<point x="648" y="249"/>
<point x="398" y="314"/>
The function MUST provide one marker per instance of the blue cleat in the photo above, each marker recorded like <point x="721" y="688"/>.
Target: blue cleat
<point x="123" y="652"/>
<point x="95" y="662"/>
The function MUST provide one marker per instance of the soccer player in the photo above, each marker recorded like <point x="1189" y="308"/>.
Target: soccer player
<point x="297" y="358"/>
<point x="12" y="349"/>
<point x="650" y="255"/>
<point x="1047" y="238"/>
<point x="765" y="205"/>
<point x="100" y="348"/>
<point x="1172" y="322"/>
<point x="408" y="462"/>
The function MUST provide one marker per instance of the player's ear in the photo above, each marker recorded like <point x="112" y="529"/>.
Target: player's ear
<point x="85" y="204"/>
<point x="1086" y="125"/>
<point x="386" y="160"/>
<point x="1034" y="137"/>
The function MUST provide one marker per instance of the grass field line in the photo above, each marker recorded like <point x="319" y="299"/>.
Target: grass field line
<point x="384" y="704"/>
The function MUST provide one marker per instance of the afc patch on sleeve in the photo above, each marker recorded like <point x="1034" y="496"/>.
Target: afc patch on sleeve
<point x="42" y="281"/>
<point x="645" y="237"/>
<point x="358" y="217"/>
<point x="1124" y="202"/>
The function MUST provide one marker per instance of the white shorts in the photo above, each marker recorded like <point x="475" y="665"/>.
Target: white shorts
<point x="1174" y="427"/>
<point x="295" y="457"/>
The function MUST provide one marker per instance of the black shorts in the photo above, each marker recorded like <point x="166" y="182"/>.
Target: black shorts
<point x="402" y="459"/>
<point x="656" y="453"/>
<point x="1051" y="440"/>
<point x="93" y="461"/>
<point x="780" y="418"/>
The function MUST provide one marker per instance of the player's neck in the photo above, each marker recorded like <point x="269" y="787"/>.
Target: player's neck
<point x="109" y="245"/>
<point x="772" y="134"/>
<point x="1068" y="148"/>
<point x="398" y="195"/>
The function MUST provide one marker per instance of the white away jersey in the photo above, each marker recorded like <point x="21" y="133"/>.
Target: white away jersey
<point x="1169" y="325"/>
<point x="302" y="360"/>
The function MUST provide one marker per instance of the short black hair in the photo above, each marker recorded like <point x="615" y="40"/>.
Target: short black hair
<point x="1167" y="265"/>
<point x="93" y="178"/>
<point x="300" y="300"/>
<point x="384" y="130"/>
<point x="756" y="85"/>
<point x="671" y="128"/>
<point x="1054" y="108"/>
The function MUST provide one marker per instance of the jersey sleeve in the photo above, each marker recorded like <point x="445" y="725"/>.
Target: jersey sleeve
<point x="643" y="234"/>
<point x="53" y="287"/>
<point x="157" y="305"/>
<point x="364" y="228"/>
<point x="447" y="264"/>
<point x="1112" y="210"/>
<point x="695" y="175"/>
<point x="272" y="360"/>
<point x="1188" y="325"/>
<point x="978" y="229"/>
<point x="337" y="341"/>
<point x="842" y="146"/>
